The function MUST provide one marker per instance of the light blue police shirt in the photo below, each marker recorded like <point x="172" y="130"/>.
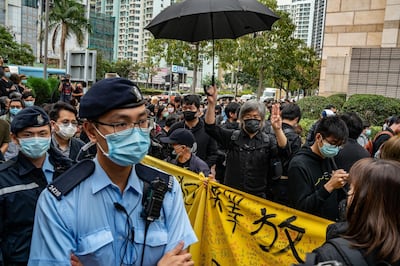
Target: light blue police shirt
<point x="85" y="222"/>
<point x="48" y="169"/>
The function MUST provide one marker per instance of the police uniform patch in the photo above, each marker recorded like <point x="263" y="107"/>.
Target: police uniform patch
<point x="39" y="119"/>
<point x="135" y="91"/>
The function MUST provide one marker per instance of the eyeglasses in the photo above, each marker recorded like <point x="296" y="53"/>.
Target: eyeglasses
<point x="121" y="128"/>
<point x="67" y="123"/>
<point x="332" y="145"/>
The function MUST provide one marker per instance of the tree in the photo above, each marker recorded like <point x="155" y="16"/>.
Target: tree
<point x="19" y="54"/>
<point x="308" y="69"/>
<point x="102" y="66"/>
<point x="125" y="68"/>
<point x="176" y="52"/>
<point x="67" y="17"/>
<point x="285" y="59"/>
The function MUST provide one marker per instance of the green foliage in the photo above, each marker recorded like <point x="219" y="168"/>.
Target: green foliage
<point x="306" y="124"/>
<point x="337" y="100"/>
<point x="102" y="66"/>
<point x="372" y="108"/>
<point x="374" y="130"/>
<point x="311" y="107"/>
<point x="18" y="54"/>
<point x="124" y="68"/>
<point x="149" y="91"/>
<point x="53" y="84"/>
<point x="207" y="81"/>
<point x="307" y="70"/>
<point x="67" y="18"/>
<point x="247" y="91"/>
<point x="41" y="88"/>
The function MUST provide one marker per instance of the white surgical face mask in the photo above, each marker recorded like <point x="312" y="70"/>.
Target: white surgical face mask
<point x="66" y="131"/>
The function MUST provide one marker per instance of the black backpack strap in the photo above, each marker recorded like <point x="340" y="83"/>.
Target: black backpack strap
<point x="235" y="135"/>
<point x="156" y="184"/>
<point x="350" y="256"/>
<point x="71" y="178"/>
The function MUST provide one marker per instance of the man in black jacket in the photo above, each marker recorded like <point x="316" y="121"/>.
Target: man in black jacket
<point x="249" y="150"/>
<point x="21" y="181"/>
<point x="291" y="115"/>
<point x="314" y="182"/>
<point x="206" y="147"/>
<point x="351" y="151"/>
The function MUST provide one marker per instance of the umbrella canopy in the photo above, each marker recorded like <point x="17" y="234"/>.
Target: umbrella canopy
<point x="198" y="20"/>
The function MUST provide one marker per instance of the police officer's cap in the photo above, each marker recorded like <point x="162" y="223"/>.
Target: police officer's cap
<point x="109" y="94"/>
<point x="32" y="116"/>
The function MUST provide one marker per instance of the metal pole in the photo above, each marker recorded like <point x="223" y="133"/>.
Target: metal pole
<point x="46" y="38"/>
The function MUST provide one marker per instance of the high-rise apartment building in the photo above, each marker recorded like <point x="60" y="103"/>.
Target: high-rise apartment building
<point x="21" y="18"/>
<point x="131" y="16"/>
<point x="308" y="16"/>
<point x="317" y="39"/>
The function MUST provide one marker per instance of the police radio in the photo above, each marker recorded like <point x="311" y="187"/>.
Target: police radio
<point x="153" y="197"/>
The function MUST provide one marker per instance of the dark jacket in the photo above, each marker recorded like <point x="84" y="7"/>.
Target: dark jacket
<point x="311" y="134"/>
<point x="75" y="146"/>
<point x="308" y="173"/>
<point x="206" y="146"/>
<point x="294" y="141"/>
<point x="349" y="154"/>
<point x="279" y="187"/>
<point x="347" y="254"/>
<point x="196" y="165"/>
<point x="377" y="143"/>
<point x="248" y="161"/>
<point x="20" y="186"/>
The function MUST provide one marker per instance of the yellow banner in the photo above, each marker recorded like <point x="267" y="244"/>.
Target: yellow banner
<point x="236" y="228"/>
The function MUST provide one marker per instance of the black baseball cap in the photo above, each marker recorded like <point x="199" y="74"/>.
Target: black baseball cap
<point x="180" y="136"/>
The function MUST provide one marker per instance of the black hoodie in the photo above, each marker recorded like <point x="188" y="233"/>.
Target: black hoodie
<point x="308" y="173"/>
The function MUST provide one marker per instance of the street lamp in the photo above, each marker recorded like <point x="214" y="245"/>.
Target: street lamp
<point x="46" y="38"/>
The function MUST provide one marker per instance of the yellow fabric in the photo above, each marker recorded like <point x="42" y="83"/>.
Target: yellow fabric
<point x="236" y="228"/>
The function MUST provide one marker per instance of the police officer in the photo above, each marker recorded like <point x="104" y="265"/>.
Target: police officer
<point x="102" y="215"/>
<point x="21" y="181"/>
<point x="249" y="150"/>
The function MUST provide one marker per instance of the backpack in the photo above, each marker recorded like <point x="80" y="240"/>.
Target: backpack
<point x="370" y="144"/>
<point x="350" y="256"/>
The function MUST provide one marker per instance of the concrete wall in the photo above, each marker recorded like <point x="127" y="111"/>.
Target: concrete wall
<point x="355" y="24"/>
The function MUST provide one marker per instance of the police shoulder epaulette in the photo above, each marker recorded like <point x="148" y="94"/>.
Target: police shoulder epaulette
<point x="149" y="174"/>
<point x="71" y="178"/>
<point x="7" y="164"/>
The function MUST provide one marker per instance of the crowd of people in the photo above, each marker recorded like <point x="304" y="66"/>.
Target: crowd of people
<point x="86" y="150"/>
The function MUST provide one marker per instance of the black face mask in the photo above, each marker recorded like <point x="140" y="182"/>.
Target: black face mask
<point x="189" y="115"/>
<point x="252" y="125"/>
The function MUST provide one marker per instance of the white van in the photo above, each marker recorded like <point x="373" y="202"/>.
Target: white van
<point x="268" y="94"/>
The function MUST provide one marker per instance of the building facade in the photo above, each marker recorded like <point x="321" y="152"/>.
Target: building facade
<point x="309" y="18"/>
<point x="131" y="16"/>
<point x="350" y="28"/>
<point x="21" y="18"/>
<point x="102" y="36"/>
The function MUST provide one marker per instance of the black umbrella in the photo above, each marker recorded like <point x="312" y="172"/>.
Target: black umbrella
<point x="198" y="20"/>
